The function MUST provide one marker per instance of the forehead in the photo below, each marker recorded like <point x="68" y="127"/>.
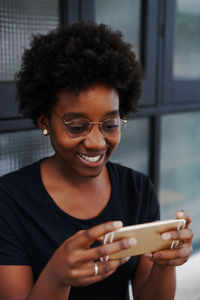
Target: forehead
<point x="98" y="99"/>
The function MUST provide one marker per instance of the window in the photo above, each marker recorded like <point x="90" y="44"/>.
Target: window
<point x="133" y="148"/>
<point x="186" y="40"/>
<point x="182" y="52"/>
<point x="123" y="16"/>
<point x="180" y="166"/>
<point x="18" y="149"/>
<point x="19" y="20"/>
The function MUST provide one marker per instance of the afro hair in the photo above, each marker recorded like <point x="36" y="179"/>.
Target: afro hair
<point x="73" y="58"/>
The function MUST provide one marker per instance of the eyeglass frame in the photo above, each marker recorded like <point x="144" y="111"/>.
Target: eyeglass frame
<point x="124" y="119"/>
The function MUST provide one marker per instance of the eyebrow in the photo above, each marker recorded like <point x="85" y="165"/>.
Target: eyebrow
<point x="81" y="115"/>
<point x="112" y="113"/>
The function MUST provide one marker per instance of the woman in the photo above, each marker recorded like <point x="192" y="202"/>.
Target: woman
<point x="76" y="84"/>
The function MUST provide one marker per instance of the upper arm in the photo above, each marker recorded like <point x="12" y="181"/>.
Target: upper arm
<point x="16" y="282"/>
<point x="142" y="273"/>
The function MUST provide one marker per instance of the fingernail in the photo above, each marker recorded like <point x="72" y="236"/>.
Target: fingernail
<point x="123" y="260"/>
<point x="166" y="236"/>
<point x="148" y="255"/>
<point x="117" y="224"/>
<point x="180" y="214"/>
<point x="132" y="241"/>
<point x="126" y="258"/>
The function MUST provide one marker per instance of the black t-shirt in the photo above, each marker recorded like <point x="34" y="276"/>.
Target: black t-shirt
<point x="32" y="226"/>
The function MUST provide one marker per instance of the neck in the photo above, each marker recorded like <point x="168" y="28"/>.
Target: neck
<point x="62" y="173"/>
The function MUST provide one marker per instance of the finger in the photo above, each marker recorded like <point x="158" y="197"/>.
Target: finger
<point x="173" y="262"/>
<point x="181" y="214"/>
<point x="93" y="279"/>
<point x="89" y="275"/>
<point x="87" y="237"/>
<point x="172" y="254"/>
<point x="110" y="266"/>
<point x="105" y="269"/>
<point x="82" y="274"/>
<point x="181" y="235"/>
<point x="100" y="239"/>
<point x="108" y="249"/>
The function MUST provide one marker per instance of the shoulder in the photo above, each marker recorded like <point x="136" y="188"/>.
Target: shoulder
<point x="126" y="176"/>
<point x="20" y="193"/>
<point x="22" y="172"/>
<point x="23" y="178"/>
<point x="136" y="189"/>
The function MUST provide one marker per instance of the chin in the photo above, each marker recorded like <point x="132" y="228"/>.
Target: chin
<point x="91" y="172"/>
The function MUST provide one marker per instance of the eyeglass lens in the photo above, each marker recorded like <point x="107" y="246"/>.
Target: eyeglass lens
<point x="80" y="127"/>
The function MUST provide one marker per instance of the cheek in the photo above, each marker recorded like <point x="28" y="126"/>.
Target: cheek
<point x="62" y="142"/>
<point x="114" y="142"/>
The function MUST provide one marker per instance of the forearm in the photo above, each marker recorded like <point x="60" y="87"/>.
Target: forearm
<point x="161" y="284"/>
<point x="45" y="288"/>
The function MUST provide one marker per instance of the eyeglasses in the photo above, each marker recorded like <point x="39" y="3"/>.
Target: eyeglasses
<point x="80" y="127"/>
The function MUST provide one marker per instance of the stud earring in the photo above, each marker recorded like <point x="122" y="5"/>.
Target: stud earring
<point x="45" y="131"/>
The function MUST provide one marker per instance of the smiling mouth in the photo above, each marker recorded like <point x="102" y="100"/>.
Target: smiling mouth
<point x="91" y="159"/>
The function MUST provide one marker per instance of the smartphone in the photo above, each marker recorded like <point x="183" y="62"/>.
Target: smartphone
<point x="148" y="237"/>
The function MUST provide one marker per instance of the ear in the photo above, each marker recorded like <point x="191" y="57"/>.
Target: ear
<point x="43" y="123"/>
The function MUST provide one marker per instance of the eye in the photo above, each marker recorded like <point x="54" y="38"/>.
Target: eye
<point x="111" y="125"/>
<point x="77" y="125"/>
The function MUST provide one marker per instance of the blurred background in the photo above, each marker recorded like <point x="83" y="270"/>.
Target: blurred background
<point x="163" y="138"/>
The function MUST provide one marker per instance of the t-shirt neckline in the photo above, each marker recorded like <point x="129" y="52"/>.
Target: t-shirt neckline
<point x="52" y="203"/>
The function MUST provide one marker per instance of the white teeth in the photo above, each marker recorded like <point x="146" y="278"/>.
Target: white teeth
<point x="89" y="158"/>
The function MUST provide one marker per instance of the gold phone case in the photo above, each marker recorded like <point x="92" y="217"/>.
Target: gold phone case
<point x="148" y="236"/>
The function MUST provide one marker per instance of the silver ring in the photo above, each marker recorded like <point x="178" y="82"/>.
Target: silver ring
<point x="96" y="269"/>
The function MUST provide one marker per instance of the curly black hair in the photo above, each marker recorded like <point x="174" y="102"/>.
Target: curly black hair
<point x="72" y="58"/>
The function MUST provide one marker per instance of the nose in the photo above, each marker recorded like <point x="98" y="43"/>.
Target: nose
<point x="95" y="139"/>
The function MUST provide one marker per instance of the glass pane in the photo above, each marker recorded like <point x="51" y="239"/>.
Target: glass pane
<point x="180" y="166"/>
<point x="18" y="21"/>
<point x="133" y="148"/>
<point x="18" y="149"/>
<point x="187" y="40"/>
<point x="121" y="15"/>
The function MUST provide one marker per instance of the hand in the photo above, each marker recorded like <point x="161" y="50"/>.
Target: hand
<point x="180" y="254"/>
<point x="73" y="263"/>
